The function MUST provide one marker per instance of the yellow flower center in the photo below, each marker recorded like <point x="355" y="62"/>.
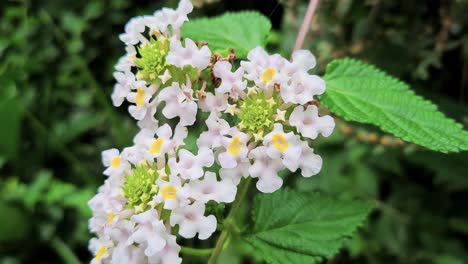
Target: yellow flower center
<point x="156" y="146"/>
<point x="110" y="217"/>
<point x="115" y="162"/>
<point x="280" y="142"/>
<point x="234" y="146"/>
<point x="100" y="253"/>
<point x="169" y="192"/>
<point x="268" y="75"/>
<point x="140" y="97"/>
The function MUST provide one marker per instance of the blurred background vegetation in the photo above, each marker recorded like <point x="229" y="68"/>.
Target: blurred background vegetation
<point x="56" y="64"/>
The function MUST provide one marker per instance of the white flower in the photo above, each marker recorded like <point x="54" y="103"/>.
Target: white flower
<point x="133" y="154"/>
<point x="149" y="121"/>
<point x="310" y="163"/>
<point x="108" y="198"/>
<point x="132" y="254"/>
<point x="231" y="82"/>
<point x="171" y="193"/>
<point x="124" y="85"/>
<point x="115" y="163"/>
<point x="133" y="31"/>
<point x="302" y="60"/>
<point x="217" y="128"/>
<point x="236" y="148"/>
<point x="190" y="166"/>
<point x="141" y="98"/>
<point x="209" y="188"/>
<point x="127" y="61"/>
<point x="191" y="220"/>
<point x="150" y="232"/>
<point x="101" y="249"/>
<point x="283" y="145"/>
<point x="188" y="55"/>
<point x="266" y="170"/>
<point x="214" y="103"/>
<point x="169" y="254"/>
<point x="235" y="174"/>
<point x="155" y="146"/>
<point x="178" y="104"/>
<point x="263" y="69"/>
<point x="302" y="88"/>
<point x="167" y="16"/>
<point x="309" y="124"/>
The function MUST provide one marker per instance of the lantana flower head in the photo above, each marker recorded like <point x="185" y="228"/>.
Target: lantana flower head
<point x="206" y="124"/>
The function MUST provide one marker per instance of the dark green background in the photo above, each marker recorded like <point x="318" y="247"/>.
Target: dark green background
<point x="56" y="64"/>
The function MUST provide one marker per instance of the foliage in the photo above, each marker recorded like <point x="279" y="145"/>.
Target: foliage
<point x="361" y="93"/>
<point x="241" y="31"/>
<point x="307" y="228"/>
<point x="56" y="64"/>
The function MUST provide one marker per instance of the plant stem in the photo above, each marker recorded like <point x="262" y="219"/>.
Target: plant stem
<point x="305" y="24"/>
<point x="196" y="252"/>
<point x="64" y="251"/>
<point x="235" y="207"/>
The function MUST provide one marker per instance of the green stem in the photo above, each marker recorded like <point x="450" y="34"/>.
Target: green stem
<point x="196" y="252"/>
<point x="64" y="251"/>
<point x="225" y="233"/>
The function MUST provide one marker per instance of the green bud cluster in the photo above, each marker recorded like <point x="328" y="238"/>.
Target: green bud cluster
<point x="140" y="186"/>
<point x="257" y="113"/>
<point x="152" y="61"/>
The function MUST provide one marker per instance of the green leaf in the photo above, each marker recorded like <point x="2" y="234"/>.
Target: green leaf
<point x="14" y="225"/>
<point x="294" y="227"/>
<point x="362" y="93"/>
<point x="241" y="31"/>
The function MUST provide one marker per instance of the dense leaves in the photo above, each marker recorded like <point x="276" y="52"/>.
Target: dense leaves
<point x="362" y="93"/>
<point x="295" y="227"/>
<point x="241" y="31"/>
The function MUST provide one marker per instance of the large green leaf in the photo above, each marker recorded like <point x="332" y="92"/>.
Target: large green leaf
<point x="295" y="227"/>
<point x="362" y="93"/>
<point x="241" y="31"/>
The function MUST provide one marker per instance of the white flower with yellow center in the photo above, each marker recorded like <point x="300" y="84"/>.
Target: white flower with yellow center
<point x="171" y="193"/>
<point x="101" y="249"/>
<point x="115" y="163"/>
<point x="235" y="149"/>
<point x="264" y="69"/>
<point x="210" y="189"/>
<point x="192" y="220"/>
<point x="190" y="166"/>
<point x="309" y="124"/>
<point x="155" y="144"/>
<point x="283" y="145"/>
<point x="266" y="170"/>
<point x="141" y="98"/>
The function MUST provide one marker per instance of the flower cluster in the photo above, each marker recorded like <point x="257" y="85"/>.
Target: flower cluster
<point x="259" y="118"/>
